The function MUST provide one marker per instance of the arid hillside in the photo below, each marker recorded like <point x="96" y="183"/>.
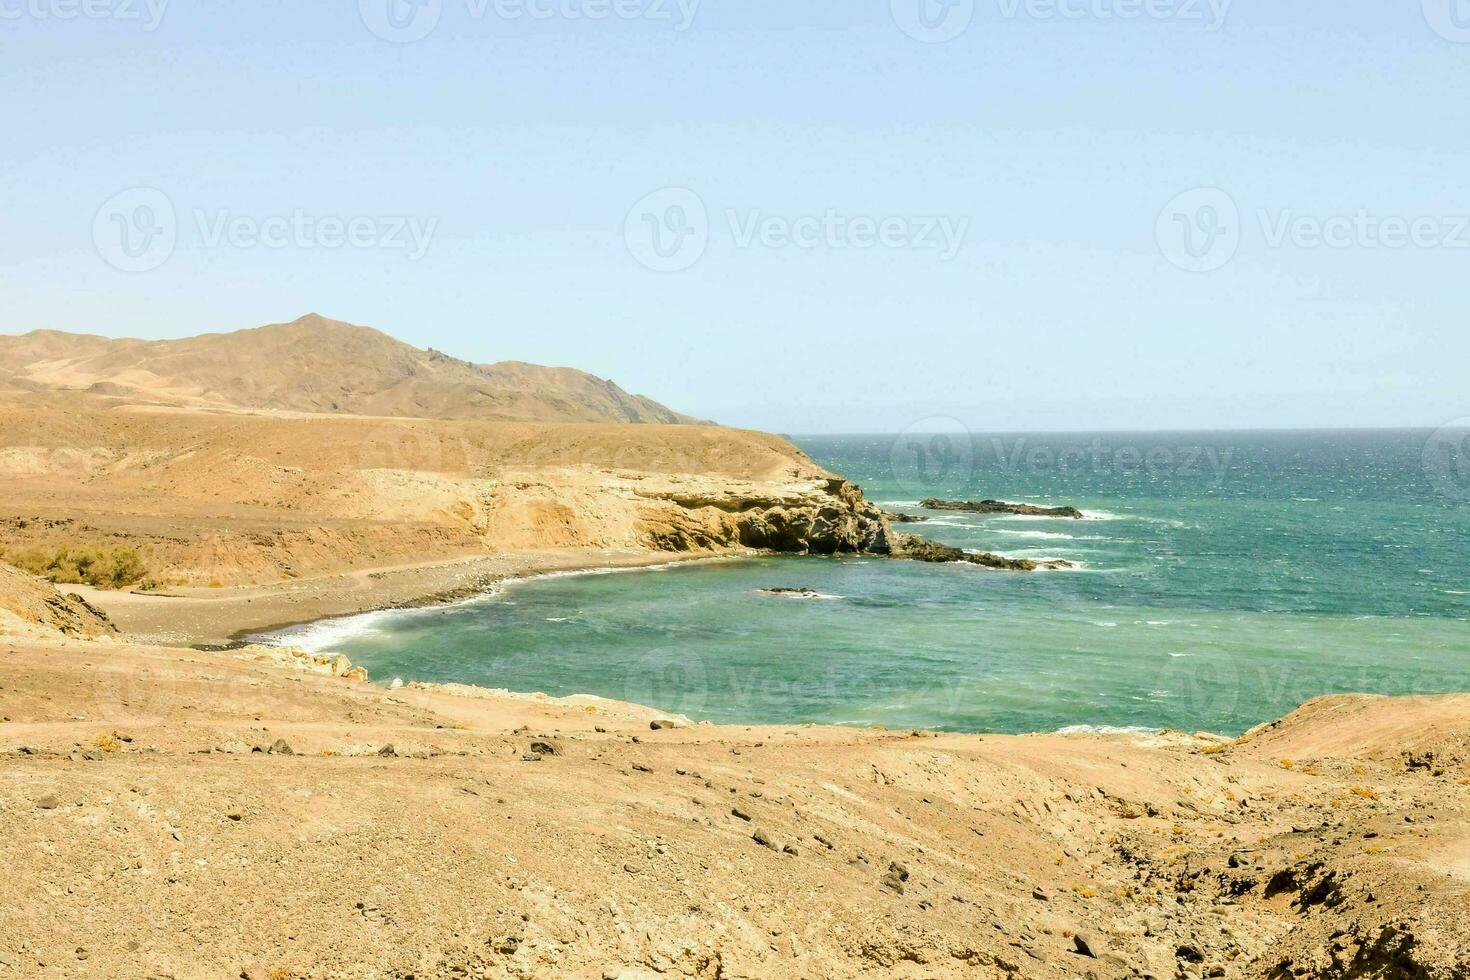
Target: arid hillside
<point x="188" y="814"/>
<point x="211" y="500"/>
<point x="314" y="365"/>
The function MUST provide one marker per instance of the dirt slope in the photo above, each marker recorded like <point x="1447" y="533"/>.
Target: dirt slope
<point x="30" y="606"/>
<point x="415" y="832"/>
<point x="315" y="365"/>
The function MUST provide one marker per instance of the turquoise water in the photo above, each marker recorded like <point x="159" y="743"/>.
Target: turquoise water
<point x="1223" y="580"/>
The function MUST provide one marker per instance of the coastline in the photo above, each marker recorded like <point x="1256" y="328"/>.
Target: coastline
<point x="222" y="619"/>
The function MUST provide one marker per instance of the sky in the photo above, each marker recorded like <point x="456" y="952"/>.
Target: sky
<point x="798" y="215"/>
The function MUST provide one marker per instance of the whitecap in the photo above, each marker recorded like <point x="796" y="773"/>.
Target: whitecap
<point x="1107" y="730"/>
<point x="1035" y="534"/>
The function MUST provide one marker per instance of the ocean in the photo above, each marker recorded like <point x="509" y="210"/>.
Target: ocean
<point x="1222" y="579"/>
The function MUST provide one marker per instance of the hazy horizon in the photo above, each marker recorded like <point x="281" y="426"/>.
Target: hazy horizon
<point x="841" y="218"/>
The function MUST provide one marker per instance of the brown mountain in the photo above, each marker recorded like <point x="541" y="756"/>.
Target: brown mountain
<point x="320" y="366"/>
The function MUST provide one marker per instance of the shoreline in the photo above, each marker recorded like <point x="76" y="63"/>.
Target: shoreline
<point x="452" y="600"/>
<point x="224" y="619"/>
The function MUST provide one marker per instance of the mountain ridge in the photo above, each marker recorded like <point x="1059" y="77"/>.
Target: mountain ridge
<point x="317" y="365"/>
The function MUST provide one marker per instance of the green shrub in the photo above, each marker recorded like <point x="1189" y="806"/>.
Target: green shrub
<point x="97" y="565"/>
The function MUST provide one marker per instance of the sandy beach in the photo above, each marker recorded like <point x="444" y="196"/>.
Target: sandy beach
<point x="203" y="617"/>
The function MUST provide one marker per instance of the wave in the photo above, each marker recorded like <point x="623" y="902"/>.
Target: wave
<point x="1107" y="730"/>
<point x="1036" y="534"/>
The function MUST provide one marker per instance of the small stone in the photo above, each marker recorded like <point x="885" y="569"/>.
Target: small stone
<point x="740" y="814"/>
<point x="388" y="752"/>
<point x="236" y="816"/>
<point x="660" y="724"/>
<point x="631" y="868"/>
<point x="639" y="767"/>
<point x="544" y="748"/>
<point x="48" y="802"/>
<point x="279" y="747"/>
<point x="760" y="838"/>
<point x="1085" y="945"/>
<point x="1040" y="895"/>
<point x="791" y="849"/>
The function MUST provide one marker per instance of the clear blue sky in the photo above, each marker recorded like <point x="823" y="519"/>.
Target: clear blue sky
<point x="523" y="143"/>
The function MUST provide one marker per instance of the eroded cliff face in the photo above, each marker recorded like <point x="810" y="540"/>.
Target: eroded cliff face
<point x="830" y="517"/>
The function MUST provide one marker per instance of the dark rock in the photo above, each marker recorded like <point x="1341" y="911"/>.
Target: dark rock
<point x="1002" y="507"/>
<point x="764" y="841"/>
<point x="1085" y="945"/>
<point x="544" y="748"/>
<point x="912" y="547"/>
<point x="279" y="747"/>
<point x="737" y="812"/>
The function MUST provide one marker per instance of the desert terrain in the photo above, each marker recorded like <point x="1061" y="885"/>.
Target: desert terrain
<point x="239" y="811"/>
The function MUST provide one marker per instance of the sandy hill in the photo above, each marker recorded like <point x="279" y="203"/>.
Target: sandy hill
<point x="315" y="365"/>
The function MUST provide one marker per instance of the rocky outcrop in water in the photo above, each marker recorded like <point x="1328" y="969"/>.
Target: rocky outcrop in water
<point x="912" y="547"/>
<point x="830" y="519"/>
<point x="1002" y="507"/>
